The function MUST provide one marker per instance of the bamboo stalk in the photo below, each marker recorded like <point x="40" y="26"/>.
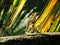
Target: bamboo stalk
<point x="54" y="25"/>
<point x="45" y="13"/>
<point x="47" y="24"/>
<point x="12" y="6"/>
<point x="58" y="28"/>
<point x="19" y="8"/>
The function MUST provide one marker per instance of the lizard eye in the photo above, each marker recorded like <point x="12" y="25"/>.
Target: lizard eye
<point x="32" y="22"/>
